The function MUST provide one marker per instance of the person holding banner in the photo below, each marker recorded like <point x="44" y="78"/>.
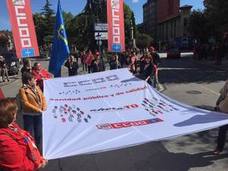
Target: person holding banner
<point x="40" y="74"/>
<point x="222" y="106"/>
<point x="148" y="70"/>
<point x="133" y="63"/>
<point x="33" y="104"/>
<point x="18" y="151"/>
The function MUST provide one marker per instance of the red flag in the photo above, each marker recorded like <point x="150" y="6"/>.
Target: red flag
<point x="23" y="28"/>
<point x="116" y="35"/>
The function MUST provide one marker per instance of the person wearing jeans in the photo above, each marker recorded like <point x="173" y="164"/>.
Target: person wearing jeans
<point x="33" y="124"/>
<point x="33" y="104"/>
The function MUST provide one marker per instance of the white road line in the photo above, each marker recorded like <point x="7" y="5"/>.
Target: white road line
<point x="210" y="90"/>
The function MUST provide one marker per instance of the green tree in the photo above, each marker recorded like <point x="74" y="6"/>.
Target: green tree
<point x="143" y="40"/>
<point x="69" y="25"/>
<point x="129" y="21"/>
<point x="81" y="31"/>
<point x="95" y="11"/>
<point x="39" y="27"/>
<point x="48" y="16"/>
<point x="216" y="12"/>
<point x="198" y="26"/>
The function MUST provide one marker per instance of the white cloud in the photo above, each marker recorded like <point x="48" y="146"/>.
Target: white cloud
<point x="135" y="1"/>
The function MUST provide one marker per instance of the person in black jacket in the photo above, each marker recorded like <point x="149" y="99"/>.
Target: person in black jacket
<point x="97" y="64"/>
<point x="72" y="66"/>
<point x="27" y="66"/>
<point x="114" y="62"/>
<point x="147" y="71"/>
<point x="156" y="62"/>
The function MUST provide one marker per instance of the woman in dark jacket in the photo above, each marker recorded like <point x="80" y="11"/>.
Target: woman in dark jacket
<point x="147" y="72"/>
<point x="72" y="66"/>
<point x="114" y="62"/>
<point x="27" y="66"/>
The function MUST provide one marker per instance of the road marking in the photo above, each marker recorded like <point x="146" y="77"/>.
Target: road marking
<point x="208" y="89"/>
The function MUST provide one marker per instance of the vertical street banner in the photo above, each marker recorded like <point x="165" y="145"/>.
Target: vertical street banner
<point x="116" y="35"/>
<point x="24" y="35"/>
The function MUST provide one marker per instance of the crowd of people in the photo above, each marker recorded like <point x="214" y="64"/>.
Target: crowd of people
<point x="20" y="151"/>
<point x="145" y="66"/>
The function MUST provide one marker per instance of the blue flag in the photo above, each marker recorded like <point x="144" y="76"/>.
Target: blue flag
<point x="60" y="50"/>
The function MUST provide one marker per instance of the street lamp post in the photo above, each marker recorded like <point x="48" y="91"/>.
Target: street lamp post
<point x="99" y="42"/>
<point x="132" y="36"/>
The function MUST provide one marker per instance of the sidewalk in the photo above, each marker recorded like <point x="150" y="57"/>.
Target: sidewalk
<point x="11" y="80"/>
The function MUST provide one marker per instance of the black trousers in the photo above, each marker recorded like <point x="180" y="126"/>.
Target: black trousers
<point x="221" y="140"/>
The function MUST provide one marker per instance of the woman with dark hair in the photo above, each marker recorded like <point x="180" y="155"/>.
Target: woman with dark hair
<point x="27" y="66"/>
<point x="114" y="62"/>
<point x="72" y="66"/>
<point x="33" y="103"/>
<point x="147" y="70"/>
<point x="18" y="151"/>
<point x="133" y="63"/>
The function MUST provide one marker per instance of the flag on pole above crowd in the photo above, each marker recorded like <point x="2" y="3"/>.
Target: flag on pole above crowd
<point x="60" y="50"/>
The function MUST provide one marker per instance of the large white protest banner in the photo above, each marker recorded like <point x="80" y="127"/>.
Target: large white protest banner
<point x="112" y="110"/>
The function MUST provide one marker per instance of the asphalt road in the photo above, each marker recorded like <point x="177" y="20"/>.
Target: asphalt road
<point x="185" y="80"/>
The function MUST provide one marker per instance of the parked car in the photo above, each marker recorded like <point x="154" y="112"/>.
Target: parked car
<point x="173" y="53"/>
<point x="12" y="62"/>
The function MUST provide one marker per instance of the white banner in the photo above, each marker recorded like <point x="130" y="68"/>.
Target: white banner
<point x="112" y="110"/>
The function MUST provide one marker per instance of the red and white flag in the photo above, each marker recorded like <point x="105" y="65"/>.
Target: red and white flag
<point x="23" y="28"/>
<point x="116" y="35"/>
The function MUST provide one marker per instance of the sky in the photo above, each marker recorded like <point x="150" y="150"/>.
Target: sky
<point x="76" y="6"/>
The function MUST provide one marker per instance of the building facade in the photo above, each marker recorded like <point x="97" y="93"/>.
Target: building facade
<point x="168" y="22"/>
<point x="150" y="17"/>
<point x="174" y="30"/>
